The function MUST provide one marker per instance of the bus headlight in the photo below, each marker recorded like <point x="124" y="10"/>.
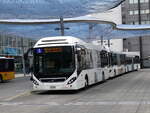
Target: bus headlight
<point x="35" y="82"/>
<point x="72" y="80"/>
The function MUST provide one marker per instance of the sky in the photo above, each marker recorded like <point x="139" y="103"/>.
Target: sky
<point x="52" y="9"/>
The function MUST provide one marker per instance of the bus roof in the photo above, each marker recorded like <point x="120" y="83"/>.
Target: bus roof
<point x="64" y="41"/>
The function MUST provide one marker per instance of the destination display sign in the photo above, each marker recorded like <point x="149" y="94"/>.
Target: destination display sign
<point x="48" y="50"/>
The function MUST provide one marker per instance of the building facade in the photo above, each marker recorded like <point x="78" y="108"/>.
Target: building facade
<point x="15" y="46"/>
<point x="136" y="12"/>
<point x="114" y="44"/>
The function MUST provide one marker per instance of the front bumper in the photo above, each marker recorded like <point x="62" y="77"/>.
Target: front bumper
<point x="54" y="87"/>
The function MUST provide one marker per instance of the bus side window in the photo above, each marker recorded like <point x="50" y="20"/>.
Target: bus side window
<point x="88" y="59"/>
<point x="114" y="59"/>
<point x="104" y="59"/>
<point x="98" y="59"/>
<point x="78" y="56"/>
<point x="136" y="59"/>
<point x="81" y="62"/>
<point x="129" y="60"/>
<point x="91" y="60"/>
<point x="109" y="59"/>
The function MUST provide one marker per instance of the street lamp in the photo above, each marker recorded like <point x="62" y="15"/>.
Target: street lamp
<point x="62" y="28"/>
<point x="23" y="61"/>
<point x="140" y="38"/>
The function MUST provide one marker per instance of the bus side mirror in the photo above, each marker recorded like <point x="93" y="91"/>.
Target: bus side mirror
<point x="78" y="50"/>
<point x="78" y="56"/>
<point x="31" y="69"/>
<point x="26" y="55"/>
<point x="31" y="78"/>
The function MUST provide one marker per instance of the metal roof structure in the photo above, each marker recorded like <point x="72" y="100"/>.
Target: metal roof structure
<point x="40" y="12"/>
<point x="80" y="30"/>
<point x="50" y="9"/>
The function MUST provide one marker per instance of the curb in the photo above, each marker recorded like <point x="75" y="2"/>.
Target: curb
<point x="21" y="75"/>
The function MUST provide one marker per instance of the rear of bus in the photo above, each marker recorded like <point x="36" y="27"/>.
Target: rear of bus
<point x="6" y="69"/>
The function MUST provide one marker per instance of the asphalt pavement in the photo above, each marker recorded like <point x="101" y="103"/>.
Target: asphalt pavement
<point x="129" y="93"/>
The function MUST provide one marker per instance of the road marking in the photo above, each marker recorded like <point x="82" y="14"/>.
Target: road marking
<point x="20" y="90"/>
<point x="27" y="93"/>
<point x="10" y="103"/>
<point x="28" y="104"/>
<point x="53" y="103"/>
<point x="101" y="103"/>
<point x="105" y="103"/>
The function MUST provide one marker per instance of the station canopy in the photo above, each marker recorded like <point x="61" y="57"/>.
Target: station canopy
<point x="80" y="30"/>
<point x="54" y="9"/>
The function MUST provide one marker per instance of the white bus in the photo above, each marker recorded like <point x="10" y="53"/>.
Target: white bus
<point x="117" y="63"/>
<point x="132" y="61"/>
<point x="68" y="63"/>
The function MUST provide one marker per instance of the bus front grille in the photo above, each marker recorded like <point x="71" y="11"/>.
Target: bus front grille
<point x="52" y="80"/>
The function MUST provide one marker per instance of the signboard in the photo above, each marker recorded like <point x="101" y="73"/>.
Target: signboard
<point x="48" y="50"/>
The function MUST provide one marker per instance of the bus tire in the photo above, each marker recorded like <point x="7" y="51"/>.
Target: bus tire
<point x="115" y="73"/>
<point x="127" y="69"/>
<point x="103" y="76"/>
<point x="86" y="81"/>
<point x="1" y="79"/>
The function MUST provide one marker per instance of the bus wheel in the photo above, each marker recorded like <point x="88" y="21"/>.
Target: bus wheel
<point x="115" y="73"/>
<point x="86" y="82"/>
<point x="127" y="69"/>
<point x="103" y="76"/>
<point x="1" y="79"/>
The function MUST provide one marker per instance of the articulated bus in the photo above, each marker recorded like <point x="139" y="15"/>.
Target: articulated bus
<point x="6" y="69"/>
<point x="68" y="63"/>
<point x="132" y="61"/>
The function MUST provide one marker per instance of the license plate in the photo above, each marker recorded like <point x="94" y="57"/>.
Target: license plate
<point x="52" y="87"/>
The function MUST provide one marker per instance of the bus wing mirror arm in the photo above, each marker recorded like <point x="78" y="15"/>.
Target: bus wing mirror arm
<point x="26" y="55"/>
<point x="31" y="78"/>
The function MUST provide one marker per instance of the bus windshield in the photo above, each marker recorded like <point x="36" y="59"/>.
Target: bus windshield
<point x="54" y="61"/>
<point x="6" y="65"/>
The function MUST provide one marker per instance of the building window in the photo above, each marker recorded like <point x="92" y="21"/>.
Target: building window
<point x="136" y="23"/>
<point x="136" y="1"/>
<point x="131" y="23"/>
<point x="143" y="1"/>
<point x="131" y="13"/>
<point x="142" y="22"/>
<point x="146" y="11"/>
<point x="133" y="1"/>
<point x="135" y="12"/>
<point x="147" y="22"/>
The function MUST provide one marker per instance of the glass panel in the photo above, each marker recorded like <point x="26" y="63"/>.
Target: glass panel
<point x="54" y="61"/>
<point x="104" y="58"/>
<point x="6" y="65"/>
